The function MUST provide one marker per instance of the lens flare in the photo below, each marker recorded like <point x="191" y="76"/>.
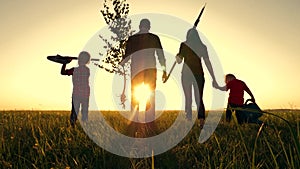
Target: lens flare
<point x="142" y="94"/>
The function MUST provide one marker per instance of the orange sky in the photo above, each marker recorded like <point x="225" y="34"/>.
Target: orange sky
<point x="256" y="40"/>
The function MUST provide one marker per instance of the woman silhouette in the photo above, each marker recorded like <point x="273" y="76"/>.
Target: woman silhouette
<point x="191" y="51"/>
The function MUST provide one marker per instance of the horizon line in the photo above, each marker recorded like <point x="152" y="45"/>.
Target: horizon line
<point x="223" y="109"/>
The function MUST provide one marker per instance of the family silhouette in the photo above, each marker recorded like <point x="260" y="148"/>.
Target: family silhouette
<point x="142" y="49"/>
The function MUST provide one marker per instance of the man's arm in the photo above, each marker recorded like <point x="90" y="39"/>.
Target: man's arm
<point x="161" y="58"/>
<point x="162" y="61"/>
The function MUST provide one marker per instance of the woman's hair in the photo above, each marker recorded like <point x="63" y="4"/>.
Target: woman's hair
<point x="193" y="40"/>
<point x="83" y="58"/>
<point x="192" y="35"/>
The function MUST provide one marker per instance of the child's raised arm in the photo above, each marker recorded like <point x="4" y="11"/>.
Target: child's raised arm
<point x="63" y="70"/>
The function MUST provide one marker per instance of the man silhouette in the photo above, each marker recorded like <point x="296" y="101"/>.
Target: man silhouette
<point x="141" y="49"/>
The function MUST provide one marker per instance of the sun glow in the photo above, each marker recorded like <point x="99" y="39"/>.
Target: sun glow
<point x="142" y="94"/>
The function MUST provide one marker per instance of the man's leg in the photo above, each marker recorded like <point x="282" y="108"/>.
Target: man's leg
<point x="134" y="105"/>
<point x="150" y="79"/>
<point x="135" y="81"/>
<point x="150" y="108"/>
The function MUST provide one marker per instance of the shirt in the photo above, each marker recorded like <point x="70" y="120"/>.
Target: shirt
<point x="80" y="79"/>
<point x="141" y="48"/>
<point x="191" y="59"/>
<point x="236" y="94"/>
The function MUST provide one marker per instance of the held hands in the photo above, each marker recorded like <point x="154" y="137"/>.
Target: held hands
<point x="215" y="84"/>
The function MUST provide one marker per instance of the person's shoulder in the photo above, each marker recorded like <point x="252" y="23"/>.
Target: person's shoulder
<point x="239" y="81"/>
<point x="133" y="36"/>
<point x="184" y="44"/>
<point x="152" y="35"/>
<point x="138" y="36"/>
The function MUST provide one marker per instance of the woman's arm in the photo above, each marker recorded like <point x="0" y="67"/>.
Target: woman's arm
<point x="211" y="72"/>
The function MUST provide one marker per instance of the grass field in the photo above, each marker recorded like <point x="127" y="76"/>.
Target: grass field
<point x="43" y="139"/>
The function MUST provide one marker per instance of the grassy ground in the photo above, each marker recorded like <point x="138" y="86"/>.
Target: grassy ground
<point x="43" y="139"/>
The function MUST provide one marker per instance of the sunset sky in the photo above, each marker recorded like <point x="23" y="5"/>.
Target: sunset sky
<point x="257" y="40"/>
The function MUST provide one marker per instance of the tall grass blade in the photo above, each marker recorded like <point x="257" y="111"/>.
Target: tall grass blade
<point x="255" y="144"/>
<point x="243" y="140"/>
<point x="272" y="153"/>
<point x="152" y="160"/>
<point x="293" y="133"/>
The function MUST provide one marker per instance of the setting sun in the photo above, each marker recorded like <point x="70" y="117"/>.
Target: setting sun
<point x="142" y="94"/>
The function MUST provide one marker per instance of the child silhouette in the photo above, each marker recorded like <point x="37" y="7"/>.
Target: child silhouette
<point x="81" y="88"/>
<point x="236" y="97"/>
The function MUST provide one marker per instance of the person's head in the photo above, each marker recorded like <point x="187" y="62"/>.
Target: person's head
<point x="144" y="25"/>
<point x="193" y="40"/>
<point x="229" y="77"/>
<point x="193" y="36"/>
<point x="84" y="58"/>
